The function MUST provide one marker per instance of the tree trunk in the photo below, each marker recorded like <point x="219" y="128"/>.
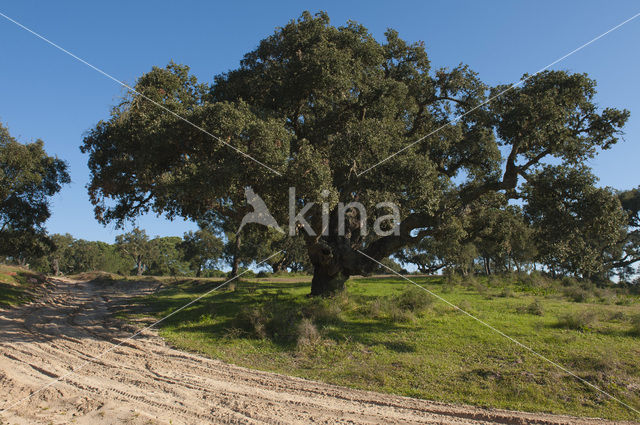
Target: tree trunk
<point x="199" y="272"/>
<point x="56" y="267"/>
<point x="278" y="266"/>
<point x="236" y="257"/>
<point x="487" y="268"/>
<point x="325" y="283"/>
<point x="332" y="266"/>
<point x="139" y="267"/>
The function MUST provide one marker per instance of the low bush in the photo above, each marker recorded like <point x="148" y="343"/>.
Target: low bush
<point x="413" y="299"/>
<point x="398" y="315"/>
<point x="507" y="292"/>
<point x="534" y="308"/>
<point x="307" y="334"/>
<point x="575" y="294"/>
<point x="581" y="321"/>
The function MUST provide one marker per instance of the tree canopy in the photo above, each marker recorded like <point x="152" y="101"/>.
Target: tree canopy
<point x="327" y="108"/>
<point x="28" y="179"/>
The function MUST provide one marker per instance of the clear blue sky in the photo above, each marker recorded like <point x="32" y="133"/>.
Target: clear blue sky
<point x="49" y="95"/>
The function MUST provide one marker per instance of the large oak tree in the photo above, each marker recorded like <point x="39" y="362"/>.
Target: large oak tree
<point x="320" y="105"/>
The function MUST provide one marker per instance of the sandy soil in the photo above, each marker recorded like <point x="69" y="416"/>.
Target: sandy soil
<point x="144" y="381"/>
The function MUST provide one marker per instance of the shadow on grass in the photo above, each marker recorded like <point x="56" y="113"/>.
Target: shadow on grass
<point x="11" y="295"/>
<point x="268" y="311"/>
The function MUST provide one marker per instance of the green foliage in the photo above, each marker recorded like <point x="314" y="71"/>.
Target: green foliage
<point x="413" y="299"/>
<point x="534" y="308"/>
<point x="202" y="249"/>
<point x="319" y="105"/>
<point x="28" y="178"/>
<point x="577" y="225"/>
<point x="577" y="320"/>
<point x="166" y="257"/>
<point x="137" y="246"/>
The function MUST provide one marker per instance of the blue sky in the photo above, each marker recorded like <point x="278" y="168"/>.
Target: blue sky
<point x="49" y="95"/>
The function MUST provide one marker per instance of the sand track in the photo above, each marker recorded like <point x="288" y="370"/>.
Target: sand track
<point x="144" y="381"/>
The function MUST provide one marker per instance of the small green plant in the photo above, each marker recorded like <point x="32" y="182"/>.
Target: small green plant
<point x="399" y="315"/>
<point x="252" y="320"/>
<point x="452" y="278"/>
<point x="307" y="334"/>
<point x="413" y="299"/>
<point x="373" y="309"/>
<point x="323" y="311"/>
<point x="507" y="292"/>
<point x="580" y="321"/>
<point x="534" y="308"/>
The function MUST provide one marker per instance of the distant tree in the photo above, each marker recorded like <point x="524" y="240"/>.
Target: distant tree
<point x="501" y="234"/>
<point x="321" y="105"/>
<point x="28" y="178"/>
<point x="629" y="246"/>
<point x="58" y="258"/>
<point x="284" y="252"/>
<point x="201" y="249"/>
<point x="137" y="246"/>
<point x="449" y="247"/>
<point x="166" y="257"/>
<point x="577" y="225"/>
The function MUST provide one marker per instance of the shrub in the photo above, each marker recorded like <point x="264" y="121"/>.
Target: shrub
<point x="618" y="316"/>
<point x="412" y="299"/>
<point x="373" y="309"/>
<point x="252" y="320"/>
<point x="214" y="273"/>
<point x="482" y="289"/>
<point x="569" y="281"/>
<point x="401" y="316"/>
<point x="323" y="310"/>
<point x="274" y="321"/>
<point x="576" y="294"/>
<point x="534" y="279"/>
<point x="534" y="308"/>
<point x="307" y="334"/>
<point x="581" y="321"/>
<point x="452" y="278"/>
<point x="507" y="293"/>
<point x="470" y="281"/>
<point x="262" y="273"/>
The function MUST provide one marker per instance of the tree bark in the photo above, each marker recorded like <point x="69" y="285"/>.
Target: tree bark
<point x="56" y="267"/>
<point x="277" y="267"/>
<point x="325" y="283"/>
<point x="139" y="267"/>
<point x="236" y="257"/>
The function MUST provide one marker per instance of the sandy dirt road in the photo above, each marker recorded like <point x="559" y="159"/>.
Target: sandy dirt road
<point x="144" y="381"/>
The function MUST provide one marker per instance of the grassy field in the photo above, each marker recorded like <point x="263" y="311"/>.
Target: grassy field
<point x="17" y="285"/>
<point x="387" y="335"/>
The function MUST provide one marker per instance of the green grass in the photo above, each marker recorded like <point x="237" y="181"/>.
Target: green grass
<point x="17" y="285"/>
<point x="383" y="336"/>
